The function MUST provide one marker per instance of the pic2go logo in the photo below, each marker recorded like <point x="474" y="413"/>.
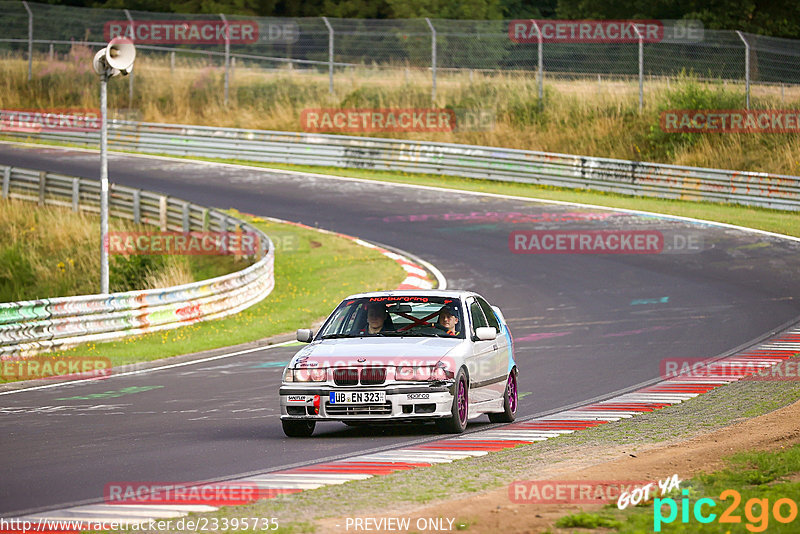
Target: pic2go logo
<point x="756" y="511"/>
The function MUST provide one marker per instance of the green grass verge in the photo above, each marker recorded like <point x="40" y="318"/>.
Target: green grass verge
<point x="759" y="478"/>
<point x="313" y="272"/>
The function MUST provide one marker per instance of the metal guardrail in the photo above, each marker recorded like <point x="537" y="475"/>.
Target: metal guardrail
<point x="488" y="163"/>
<point x="34" y="326"/>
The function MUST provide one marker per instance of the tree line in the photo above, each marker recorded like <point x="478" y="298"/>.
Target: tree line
<point x="779" y="18"/>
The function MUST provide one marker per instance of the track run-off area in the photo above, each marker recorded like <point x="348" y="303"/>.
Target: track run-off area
<point x="586" y="326"/>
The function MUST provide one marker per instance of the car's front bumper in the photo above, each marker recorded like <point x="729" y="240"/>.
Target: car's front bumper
<point x="403" y="402"/>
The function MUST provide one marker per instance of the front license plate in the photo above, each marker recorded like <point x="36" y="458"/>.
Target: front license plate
<point x="357" y="397"/>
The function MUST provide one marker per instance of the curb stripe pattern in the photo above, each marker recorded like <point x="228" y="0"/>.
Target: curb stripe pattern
<point x="360" y="467"/>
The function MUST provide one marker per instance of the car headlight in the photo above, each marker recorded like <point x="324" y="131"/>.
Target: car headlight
<point x="318" y="375"/>
<point x="305" y="375"/>
<point x="423" y="373"/>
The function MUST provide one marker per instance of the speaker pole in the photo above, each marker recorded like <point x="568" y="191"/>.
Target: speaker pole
<point x="115" y="59"/>
<point x="103" y="184"/>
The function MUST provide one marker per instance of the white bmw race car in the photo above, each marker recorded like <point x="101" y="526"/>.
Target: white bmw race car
<point x="403" y="356"/>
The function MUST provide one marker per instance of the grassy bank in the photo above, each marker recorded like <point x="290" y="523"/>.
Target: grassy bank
<point x="578" y="117"/>
<point x="760" y="478"/>
<point x="54" y="252"/>
<point x="313" y="272"/>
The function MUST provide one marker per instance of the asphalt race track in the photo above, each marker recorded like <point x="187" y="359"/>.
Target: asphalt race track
<point x="585" y="325"/>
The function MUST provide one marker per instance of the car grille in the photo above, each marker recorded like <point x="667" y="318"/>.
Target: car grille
<point x="359" y="409"/>
<point x="345" y="377"/>
<point x="370" y="376"/>
<point x="373" y="375"/>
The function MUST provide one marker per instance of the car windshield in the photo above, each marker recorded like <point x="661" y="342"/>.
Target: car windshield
<point x="407" y="315"/>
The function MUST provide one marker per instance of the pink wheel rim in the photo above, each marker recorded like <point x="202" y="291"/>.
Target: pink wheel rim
<point x="462" y="401"/>
<point x="512" y="393"/>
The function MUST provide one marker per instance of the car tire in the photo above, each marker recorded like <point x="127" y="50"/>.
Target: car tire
<point x="510" y="401"/>
<point x="298" y="428"/>
<point x="457" y="423"/>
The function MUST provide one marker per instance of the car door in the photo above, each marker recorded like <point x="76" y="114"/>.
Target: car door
<point x="481" y="365"/>
<point x="501" y="359"/>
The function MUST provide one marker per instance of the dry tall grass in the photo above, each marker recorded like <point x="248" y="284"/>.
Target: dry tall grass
<point x="588" y="117"/>
<point x="52" y="251"/>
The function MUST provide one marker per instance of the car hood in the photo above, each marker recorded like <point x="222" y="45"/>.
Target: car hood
<point x="381" y="351"/>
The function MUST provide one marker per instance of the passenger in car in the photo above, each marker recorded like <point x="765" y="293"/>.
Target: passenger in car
<point x="448" y="321"/>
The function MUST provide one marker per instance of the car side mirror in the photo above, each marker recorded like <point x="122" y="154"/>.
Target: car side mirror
<point x="305" y="335"/>
<point x="485" y="333"/>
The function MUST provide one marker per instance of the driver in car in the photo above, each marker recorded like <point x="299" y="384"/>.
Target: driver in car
<point x="376" y="319"/>
<point x="448" y="321"/>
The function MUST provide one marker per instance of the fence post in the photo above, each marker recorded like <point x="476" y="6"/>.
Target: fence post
<point x="641" y="66"/>
<point x="76" y="194"/>
<point x="6" y="181"/>
<point x="227" y="56"/>
<point x="185" y="218"/>
<point x="746" y="69"/>
<point x="42" y="184"/>
<point x="172" y="62"/>
<point x="540" y="55"/>
<point x="433" y="59"/>
<point x="137" y="207"/>
<point x="162" y="213"/>
<point x="52" y="52"/>
<point x="130" y="74"/>
<point x="30" y="40"/>
<point x="330" y="53"/>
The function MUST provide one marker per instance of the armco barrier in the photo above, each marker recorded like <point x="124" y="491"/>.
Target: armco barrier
<point x="34" y="326"/>
<point x="602" y="174"/>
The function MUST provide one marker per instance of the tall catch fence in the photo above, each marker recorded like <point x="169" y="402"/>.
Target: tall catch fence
<point x="437" y="46"/>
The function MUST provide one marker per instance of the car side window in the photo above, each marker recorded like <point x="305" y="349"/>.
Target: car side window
<point x="350" y="323"/>
<point x="478" y="320"/>
<point x="341" y="321"/>
<point x="489" y="313"/>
